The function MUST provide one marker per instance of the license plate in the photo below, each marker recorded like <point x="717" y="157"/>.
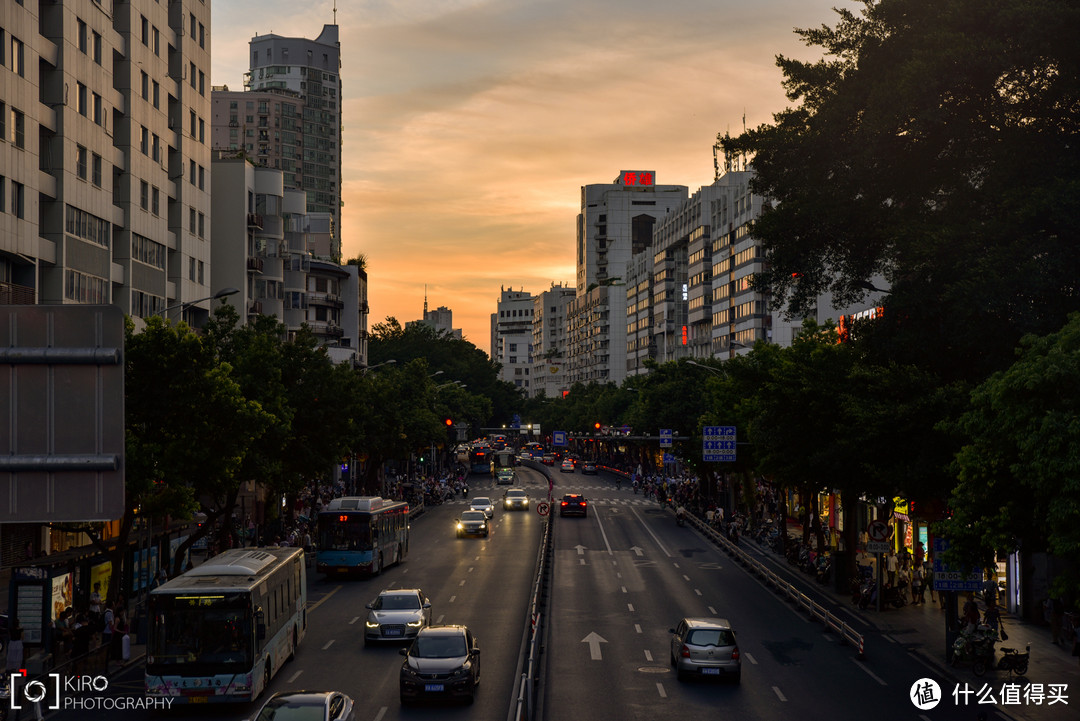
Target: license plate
<point x="711" y="671"/>
<point x="433" y="687"/>
<point x="392" y="632"/>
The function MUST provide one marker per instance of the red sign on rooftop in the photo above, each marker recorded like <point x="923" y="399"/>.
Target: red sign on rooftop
<point x="637" y="178"/>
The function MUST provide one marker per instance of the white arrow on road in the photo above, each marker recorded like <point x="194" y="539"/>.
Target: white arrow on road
<point x="638" y="550"/>
<point x="594" y="642"/>
<point x="580" y="549"/>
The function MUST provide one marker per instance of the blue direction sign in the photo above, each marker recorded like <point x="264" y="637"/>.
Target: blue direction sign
<point x="558" y="438"/>
<point x="665" y="438"/>
<point x="718" y="443"/>
<point x="950" y="579"/>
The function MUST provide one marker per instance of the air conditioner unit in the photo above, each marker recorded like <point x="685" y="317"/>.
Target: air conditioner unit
<point x="260" y="245"/>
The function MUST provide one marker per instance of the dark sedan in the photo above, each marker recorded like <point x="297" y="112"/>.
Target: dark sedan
<point x="308" y="705"/>
<point x="573" y="504"/>
<point x="442" y="663"/>
<point x="472" y="523"/>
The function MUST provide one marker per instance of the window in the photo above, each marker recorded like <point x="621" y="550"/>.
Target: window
<point x="202" y="131"/>
<point x="191" y="221"/>
<point x="191" y="172"/>
<point x="191" y="75"/>
<point x="80" y="100"/>
<point x="202" y="177"/>
<point x="17" y="65"/>
<point x="95" y="170"/>
<point x="191" y="116"/>
<point x="157" y="43"/>
<point x="147" y="251"/>
<point x="202" y="231"/>
<point x="84" y="38"/>
<point x="18" y="129"/>
<point x="192" y="19"/>
<point x="191" y="269"/>
<point x="144" y="195"/>
<point x="17" y="193"/>
<point x="97" y="48"/>
<point x="202" y="83"/>
<point x="3" y="121"/>
<point x="155" y="201"/>
<point x="3" y="194"/>
<point x="89" y="227"/>
<point x="157" y="95"/>
<point x="202" y="36"/>
<point x="144" y="141"/>
<point x="98" y="110"/>
<point x="202" y="268"/>
<point x="145" y="25"/>
<point x="80" y="162"/>
<point x="145" y="85"/>
<point x="85" y="288"/>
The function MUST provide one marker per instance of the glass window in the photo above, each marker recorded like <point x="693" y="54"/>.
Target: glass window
<point x="97" y="48"/>
<point x="95" y="170"/>
<point x="81" y="167"/>
<point x="84" y="38"/>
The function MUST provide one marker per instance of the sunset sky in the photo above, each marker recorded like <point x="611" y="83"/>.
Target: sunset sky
<point x="471" y="125"/>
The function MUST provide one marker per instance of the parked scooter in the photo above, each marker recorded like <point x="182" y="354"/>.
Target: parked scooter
<point x="976" y="647"/>
<point x="1013" y="661"/>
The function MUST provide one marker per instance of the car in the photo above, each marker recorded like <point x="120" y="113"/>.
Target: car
<point x="307" y="705"/>
<point x="505" y="476"/>
<point x="567" y="466"/>
<point x="442" y="663"/>
<point x="705" y="647"/>
<point x="482" y="503"/>
<point x="548" y="459"/>
<point x="573" y="504"/>
<point x="397" y="614"/>
<point x="589" y="469"/>
<point x="472" y="523"/>
<point x="515" y="499"/>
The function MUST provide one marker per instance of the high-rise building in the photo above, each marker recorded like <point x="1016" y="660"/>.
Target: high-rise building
<point x="288" y="69"/>
<point x="105" y="156"/>
<point x="549" y="367"/>
<point x="511" y="337"/>
<point x="616" y="223"/>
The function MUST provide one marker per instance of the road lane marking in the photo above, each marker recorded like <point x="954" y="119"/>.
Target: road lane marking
<point x="712" y="610"/>
<point x="328" y="644"/>
<point x="470" y="569"/>
<point x="581" y="561"/>
<point x="382" y="712"/>
<point x="828" y="638"/>
<point x="660" y="690"/>
<point x="623" y="589"/>
<point x="654" y="536"/>
<point x="697" y="591"/>
<point x="637" y="627"/>
<point x="779" y="694"/>
<point x="751" y="659"/>
<point x="354" y="620"/>
<point x="630" y="607"/>
<point x="452" y="599"/>
<point x="685" y="577"/>
<point x="322" y="600"/>
<point x="440" y="618"/>
<point x="648" y="655"/>
<point x="601" y="526"/>
<point x="462" y="582"/>
<point x="294" y="676"/>
<point x="869" y="672"/>
<point x="594" y="640"/>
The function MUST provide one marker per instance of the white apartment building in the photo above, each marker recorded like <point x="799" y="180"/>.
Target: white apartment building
<point x="511" y="337"/>
<point x="104" y="157"/>
<point x="549" y="367"/>
<point x="616" y="223"/>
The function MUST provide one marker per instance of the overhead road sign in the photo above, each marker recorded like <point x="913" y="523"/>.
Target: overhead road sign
<point x="718" y="443"/>
<point x="558" y="438"/>
<point x="665" y="438"/>
<point x="61" y="413"/>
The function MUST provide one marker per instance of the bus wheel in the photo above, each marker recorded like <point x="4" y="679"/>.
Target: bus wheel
<point x="292" y="651"/>
<point x="266" y="676"/>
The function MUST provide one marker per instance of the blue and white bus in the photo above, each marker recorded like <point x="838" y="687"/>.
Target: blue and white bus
<point x="222" y="630"/>
<point x="480" y="458"/>
<point x="361" y="534"/>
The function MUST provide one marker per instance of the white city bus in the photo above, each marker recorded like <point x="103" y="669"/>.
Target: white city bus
<point x="222" y="630"/>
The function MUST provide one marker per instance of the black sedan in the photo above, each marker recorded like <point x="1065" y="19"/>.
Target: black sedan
<point x="573" y="504"/>
<point x="313" y="705"/>
<point x="472" y="523"/>
<point x="442" y="663"/>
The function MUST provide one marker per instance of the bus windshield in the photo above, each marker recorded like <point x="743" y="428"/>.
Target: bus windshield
<point x="345" y="532"/>
<point x="210" y="631"/>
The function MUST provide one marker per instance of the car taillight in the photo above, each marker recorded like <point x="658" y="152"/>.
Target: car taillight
<point x="685" y="652"/>
<point x="583" y="503"/>
<point x="735" y="654"/>
<point x="565" y="503"/>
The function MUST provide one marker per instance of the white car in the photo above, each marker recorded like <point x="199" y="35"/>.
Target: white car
<point x="483" y="503"/>
<point x="396" y="615"/>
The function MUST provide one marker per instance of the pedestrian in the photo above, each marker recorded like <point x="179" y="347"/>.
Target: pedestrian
<point x="120" y="629"/>
<point x="918" y="585"/>
<point x="992" y="618"/>
<point x="970" y="615"/>
<point x="990" y="588"/>
<point x="108" y="625"/>
<point x="891" y="566"/>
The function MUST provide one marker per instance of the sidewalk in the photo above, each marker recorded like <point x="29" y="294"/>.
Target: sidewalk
<point x="920" y="630"/>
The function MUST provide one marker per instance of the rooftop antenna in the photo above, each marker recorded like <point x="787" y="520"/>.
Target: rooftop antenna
<point x="335" y="12"/>
<point x="425" y="300"/>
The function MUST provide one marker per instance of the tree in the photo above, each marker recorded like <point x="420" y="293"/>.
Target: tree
<point x="935" y="145"/>
<point x="1019" y="471"/>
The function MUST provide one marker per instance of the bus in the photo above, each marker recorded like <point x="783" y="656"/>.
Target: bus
<point x="480" y="460"/>
<point x="504" y="467"/>
<point x="222" y="630"/>
<point x="361" y="534"/>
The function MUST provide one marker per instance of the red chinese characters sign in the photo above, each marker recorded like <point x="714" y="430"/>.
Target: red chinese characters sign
<point x="637" y="178"/>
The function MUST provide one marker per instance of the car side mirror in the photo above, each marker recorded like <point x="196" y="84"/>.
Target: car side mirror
<point x="476" y="651"/>
<point x="427" y="604"/>
<point x="404" y="652"/>
<point x="367" y="606"/>
<point x="671" y="630"/>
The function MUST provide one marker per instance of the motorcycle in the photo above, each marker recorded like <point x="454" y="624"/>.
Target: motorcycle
<point x="680" y="519"/>
<point x="977" y="648"/>
<point x="618" y="484"/>
<point x="464" y="491"/>
<point x="1013" y="661"/>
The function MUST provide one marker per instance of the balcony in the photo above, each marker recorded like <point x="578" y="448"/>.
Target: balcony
<point x="323" y="328"/>
<point x="255" y="265"/>
<point x="330" y="300"/>
<point x="13" y="294"/>
<point x="255" y="220"/>
<point x="256" y="308"/>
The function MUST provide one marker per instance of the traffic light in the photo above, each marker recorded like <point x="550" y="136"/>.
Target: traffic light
<point x="449" y="422"/>
<point x="596" y="425"/>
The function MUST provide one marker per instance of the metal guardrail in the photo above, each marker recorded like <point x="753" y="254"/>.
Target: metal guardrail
<point x="788" y="589"/>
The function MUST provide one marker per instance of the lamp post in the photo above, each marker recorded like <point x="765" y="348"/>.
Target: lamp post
<point x="223" y="293"/>
<point x="715" y="371"/>
<point x="364" y="371"/>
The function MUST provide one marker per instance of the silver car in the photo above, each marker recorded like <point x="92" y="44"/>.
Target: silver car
<point x="515" y="499"/>
<point x="397" y="614"/>
<point x="705" y="647"/>
<point x="482" y="503"/>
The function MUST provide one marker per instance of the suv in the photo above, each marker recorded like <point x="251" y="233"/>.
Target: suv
<point x="573" y="504"/>
<point x="705" y="647"/>
<point x="397" y="614"/>
<point x="443" y="662"/>
<point x="515" y="498"/>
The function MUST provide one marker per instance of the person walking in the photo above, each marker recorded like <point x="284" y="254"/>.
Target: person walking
<point x="918" y="586"/>
<point x="109" y="625"/>
<point x="891" y="566"/>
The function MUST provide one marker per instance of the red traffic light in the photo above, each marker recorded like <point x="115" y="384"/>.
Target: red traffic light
<point x="596" y="426"/>
<point x="449" y="421"/>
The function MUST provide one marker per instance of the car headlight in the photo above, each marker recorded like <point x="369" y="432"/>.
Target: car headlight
<point x="371" y="624"/>
<point x="462" y="670"/>
<point x="460" y="526"/>
<point x="407" y="670"/>
<point x="417" y="622"/>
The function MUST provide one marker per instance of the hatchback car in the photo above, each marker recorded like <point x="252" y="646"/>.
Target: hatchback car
<point x="705" y="647"/>
<point x="515" y="499"/>
<point x="482" y="503"/>
<point x="589" y="469"/>
<point x="472" y="523"/>
<point x="567" y="466"/>
<point x="443" y="662"/>
<point x="573" y="504"/>
<point x="397" y="614"/>
<point x="307" y="705"/>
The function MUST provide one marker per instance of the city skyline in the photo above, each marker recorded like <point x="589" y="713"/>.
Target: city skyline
<point x="470" y="127"/>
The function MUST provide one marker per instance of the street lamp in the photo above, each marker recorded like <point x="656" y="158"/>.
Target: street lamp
<point x="223" y="293"/>
<point x="378" y="365"/>
<point x="436" y="373"/>
<point x="717" y="371"/>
